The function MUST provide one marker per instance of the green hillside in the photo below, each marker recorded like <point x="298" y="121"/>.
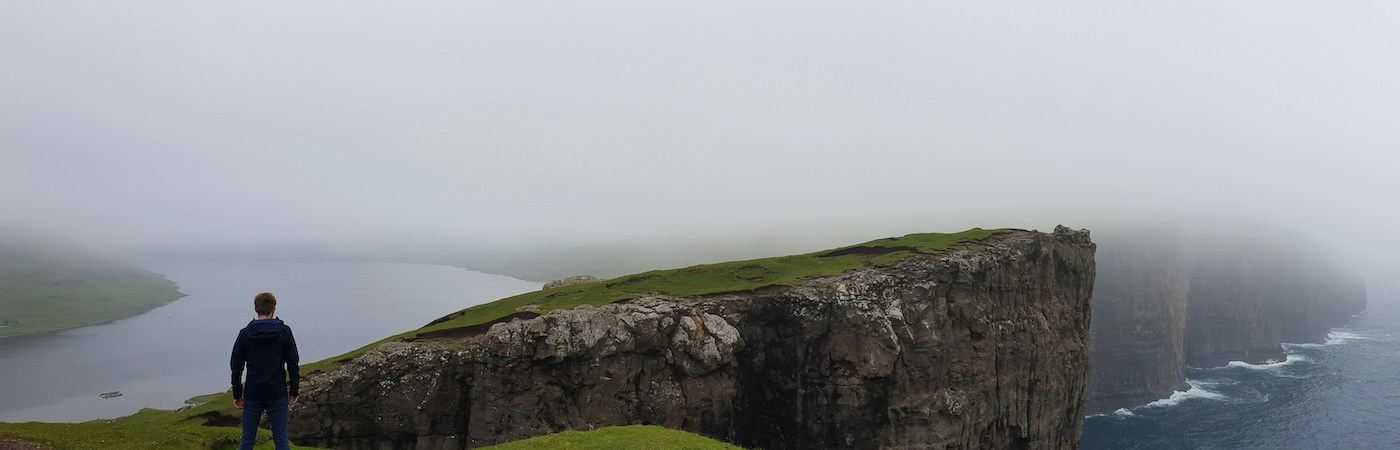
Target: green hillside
<point x="47" y="284"/>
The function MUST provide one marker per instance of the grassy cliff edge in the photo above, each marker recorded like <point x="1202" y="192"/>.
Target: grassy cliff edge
<point x="700" y="280"/>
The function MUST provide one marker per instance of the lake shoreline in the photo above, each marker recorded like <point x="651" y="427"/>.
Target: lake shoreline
<point x="163" y="356"/>
<point x="98" y="322"/>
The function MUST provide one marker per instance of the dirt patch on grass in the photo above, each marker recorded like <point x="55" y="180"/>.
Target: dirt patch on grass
<point x="214" y="419"/>
<point x="445" y="318"/>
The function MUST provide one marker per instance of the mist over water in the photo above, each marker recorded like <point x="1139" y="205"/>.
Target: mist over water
<point x="1341" y="394"/>
<point x="165" y="356"/>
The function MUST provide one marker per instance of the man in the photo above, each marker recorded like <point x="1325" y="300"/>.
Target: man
<point x="265" y="346"/>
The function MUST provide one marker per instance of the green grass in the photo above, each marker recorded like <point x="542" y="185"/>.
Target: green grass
<point x="220" y="404"/>
<point x="701" y="280"/>
<point x="37" y="307"/>
<point x="160" y="429"/>
<point x="631" y="437"/>
<point x="115" y="435"/>
<point x="147" y="429"/>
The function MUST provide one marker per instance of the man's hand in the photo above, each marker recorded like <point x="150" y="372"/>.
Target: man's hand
<point x="292" y="400"/>
<point x="238" y="403"/>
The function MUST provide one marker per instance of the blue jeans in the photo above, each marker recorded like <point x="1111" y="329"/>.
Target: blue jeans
<point x="276" y="419"/>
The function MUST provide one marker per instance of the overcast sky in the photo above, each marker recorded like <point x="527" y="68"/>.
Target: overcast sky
<point x="165" y="123"/>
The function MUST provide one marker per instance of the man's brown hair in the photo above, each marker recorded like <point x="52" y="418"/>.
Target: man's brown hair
<point x="264" y="303"/>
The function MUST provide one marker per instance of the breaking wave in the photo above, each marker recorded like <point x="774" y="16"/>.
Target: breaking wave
<point x="1119" y="413"/>
<point x="1199" y="389"/>
<point x="1270" y="365"/>
<point x="1335" y="337"/>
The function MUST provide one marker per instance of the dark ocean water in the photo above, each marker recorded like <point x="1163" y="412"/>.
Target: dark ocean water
<point x="1344" y="394"/>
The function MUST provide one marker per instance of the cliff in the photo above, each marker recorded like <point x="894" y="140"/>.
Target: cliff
<point x="980" y="343"/>
<point x="1165" y="301"/>
<point x="1230" y="318"/>
<point x="1136" y="347"/>
<point x="1250" y="295"/>
<point x="1313" y="300"/>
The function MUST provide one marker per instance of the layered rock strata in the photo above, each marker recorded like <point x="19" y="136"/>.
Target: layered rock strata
<point x="969" y="349"/>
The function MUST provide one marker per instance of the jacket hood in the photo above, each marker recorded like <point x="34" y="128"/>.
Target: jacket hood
<point x="265" y="330"/>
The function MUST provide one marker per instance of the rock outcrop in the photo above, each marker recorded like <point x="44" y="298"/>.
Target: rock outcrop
<point x="569" y="281"/>
<point x="967" y="349"/>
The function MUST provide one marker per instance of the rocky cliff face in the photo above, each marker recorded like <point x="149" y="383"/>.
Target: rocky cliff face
<point x="1249" y="296"/>
<point x="1314" y="300"/>
<point x="1230" y="316"/>
<point x="1163" y="303"/>
<point x="984" y="349"/>
<point x="1136" y="347"/>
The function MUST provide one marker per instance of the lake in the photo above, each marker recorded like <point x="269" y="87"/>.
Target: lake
<point x="174" y="352"/>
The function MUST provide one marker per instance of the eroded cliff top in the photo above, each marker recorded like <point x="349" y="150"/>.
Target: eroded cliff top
<point x="694" y="281"/>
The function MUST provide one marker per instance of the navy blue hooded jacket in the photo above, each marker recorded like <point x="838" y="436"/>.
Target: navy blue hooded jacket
<point x="265" y="346"/>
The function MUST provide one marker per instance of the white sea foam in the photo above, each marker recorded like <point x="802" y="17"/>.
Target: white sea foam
<point x="1336" y="337"/>
<point x="1199" y="389"/>
<point x="1270" y="364"/>
<point x="1119" y="413"/>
